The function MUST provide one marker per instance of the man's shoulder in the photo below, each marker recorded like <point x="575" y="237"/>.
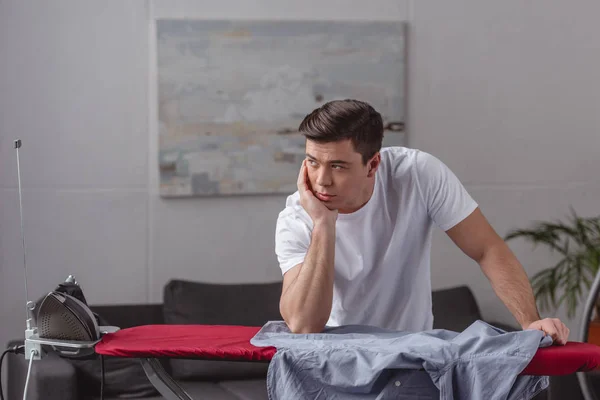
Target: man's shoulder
<point x="400" y="159"/>
<point x="398" y="163"/>
<point x="399" y="155"/>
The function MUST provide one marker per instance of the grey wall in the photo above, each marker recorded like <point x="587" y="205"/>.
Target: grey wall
<point x="506" y="93"/>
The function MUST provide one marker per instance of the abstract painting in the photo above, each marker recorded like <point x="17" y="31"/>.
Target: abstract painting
<point x="231" y="95"/>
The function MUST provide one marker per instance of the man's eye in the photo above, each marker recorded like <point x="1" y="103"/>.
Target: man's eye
<point x="337" y="167"/>
<point x="312" y="162"/>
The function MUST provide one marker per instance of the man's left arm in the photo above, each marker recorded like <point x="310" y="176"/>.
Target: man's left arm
<point x="477" y="239"/>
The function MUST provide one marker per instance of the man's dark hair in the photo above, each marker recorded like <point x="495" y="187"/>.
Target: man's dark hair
<point x="346" y="119"/>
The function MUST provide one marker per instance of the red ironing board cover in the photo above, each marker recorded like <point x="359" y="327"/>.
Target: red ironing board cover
<point x="564" y="360"/>
<point x="226" y="342"/>
<point x="208" y="342"/>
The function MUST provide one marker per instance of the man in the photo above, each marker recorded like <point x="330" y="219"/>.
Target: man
<point x="354" y="241"/>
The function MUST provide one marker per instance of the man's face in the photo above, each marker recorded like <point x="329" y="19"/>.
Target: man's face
<point x="337" y="175"/>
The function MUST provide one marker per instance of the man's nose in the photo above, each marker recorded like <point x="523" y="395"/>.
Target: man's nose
<point x="324" y="177"/>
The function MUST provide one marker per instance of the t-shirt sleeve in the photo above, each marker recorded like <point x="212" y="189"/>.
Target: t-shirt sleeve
<point x="445" y="197"/>
<point x="292" y="239"/>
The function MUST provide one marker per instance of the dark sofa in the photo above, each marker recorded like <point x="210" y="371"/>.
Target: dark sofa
<point x="194" y="303"/>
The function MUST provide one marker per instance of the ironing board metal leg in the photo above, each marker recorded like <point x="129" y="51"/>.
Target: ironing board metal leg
<point x="162" y="381"/>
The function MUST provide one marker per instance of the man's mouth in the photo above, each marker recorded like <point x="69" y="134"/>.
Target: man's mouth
<point x="324" y="197"/>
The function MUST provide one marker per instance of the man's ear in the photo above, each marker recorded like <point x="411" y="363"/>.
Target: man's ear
<point x="373" y="164"/>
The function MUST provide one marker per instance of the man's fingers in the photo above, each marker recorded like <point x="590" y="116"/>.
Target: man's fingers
<point x="564" y="331"/>
<point x="552" y="330"/>
<point x="302" y="177"/>
<point x="304" y="184"/>
<point x="555" y="329"/>
<point x="561" y="331"/>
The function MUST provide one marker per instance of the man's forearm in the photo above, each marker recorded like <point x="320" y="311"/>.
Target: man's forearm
<point x="510" y="282"/>
<point x="307" y="302"/>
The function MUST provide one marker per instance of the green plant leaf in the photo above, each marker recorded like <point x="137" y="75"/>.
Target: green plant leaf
<point x="578" y="242"/>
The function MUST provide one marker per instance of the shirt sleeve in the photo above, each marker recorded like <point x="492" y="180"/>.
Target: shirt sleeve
<point x="445" y="197"/>
<point x="292" y="239"/>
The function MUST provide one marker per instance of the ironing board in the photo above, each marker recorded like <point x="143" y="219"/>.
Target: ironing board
<point x="149" y="343"/>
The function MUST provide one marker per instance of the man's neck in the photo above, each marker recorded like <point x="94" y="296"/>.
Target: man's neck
<point x="364" y="198"/>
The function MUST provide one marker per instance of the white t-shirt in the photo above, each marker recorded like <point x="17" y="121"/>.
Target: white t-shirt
<point x="382" y="251"/>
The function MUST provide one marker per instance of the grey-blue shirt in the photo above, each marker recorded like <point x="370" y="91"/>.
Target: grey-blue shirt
<point x="357" y="362"/>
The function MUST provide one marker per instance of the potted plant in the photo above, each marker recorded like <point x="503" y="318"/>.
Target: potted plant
<point x="577" y="242"/>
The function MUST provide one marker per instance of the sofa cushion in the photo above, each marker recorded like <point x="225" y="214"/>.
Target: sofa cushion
<point x="247" y="390"/>
<point x="123" y="378"/>
<point x="206" y="390"/>
<point x="200" y="390"/>
<point x="213" y="371"/>
<point x="187" y="302"/>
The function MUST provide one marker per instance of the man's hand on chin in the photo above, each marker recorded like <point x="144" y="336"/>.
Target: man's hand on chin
<point x="553" y="327"/>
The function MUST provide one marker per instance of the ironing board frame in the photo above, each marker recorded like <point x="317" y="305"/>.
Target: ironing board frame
<point x="162" y="381"/>
<point x="171" y="390"/>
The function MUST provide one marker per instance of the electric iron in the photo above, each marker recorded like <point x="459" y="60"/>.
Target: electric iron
<point x="66" y="323"/>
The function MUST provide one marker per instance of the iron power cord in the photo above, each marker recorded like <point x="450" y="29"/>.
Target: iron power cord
<point x="101" y="377"/>
<point x="19" y="349"/>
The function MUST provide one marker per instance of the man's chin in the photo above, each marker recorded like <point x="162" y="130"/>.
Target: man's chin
<point x="331" y="207"/>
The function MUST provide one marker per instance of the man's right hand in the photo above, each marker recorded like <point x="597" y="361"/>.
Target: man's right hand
<point x="313" y="206"/>
<point x="307" y="292"/>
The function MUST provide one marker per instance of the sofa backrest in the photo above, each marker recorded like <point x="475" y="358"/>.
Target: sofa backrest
<point x="128" y="315"/>
<point x="249" y="304"/>
<point x="254" y="304"/>
<point x="454" y="308"/>
<point x="187" y="302"/>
